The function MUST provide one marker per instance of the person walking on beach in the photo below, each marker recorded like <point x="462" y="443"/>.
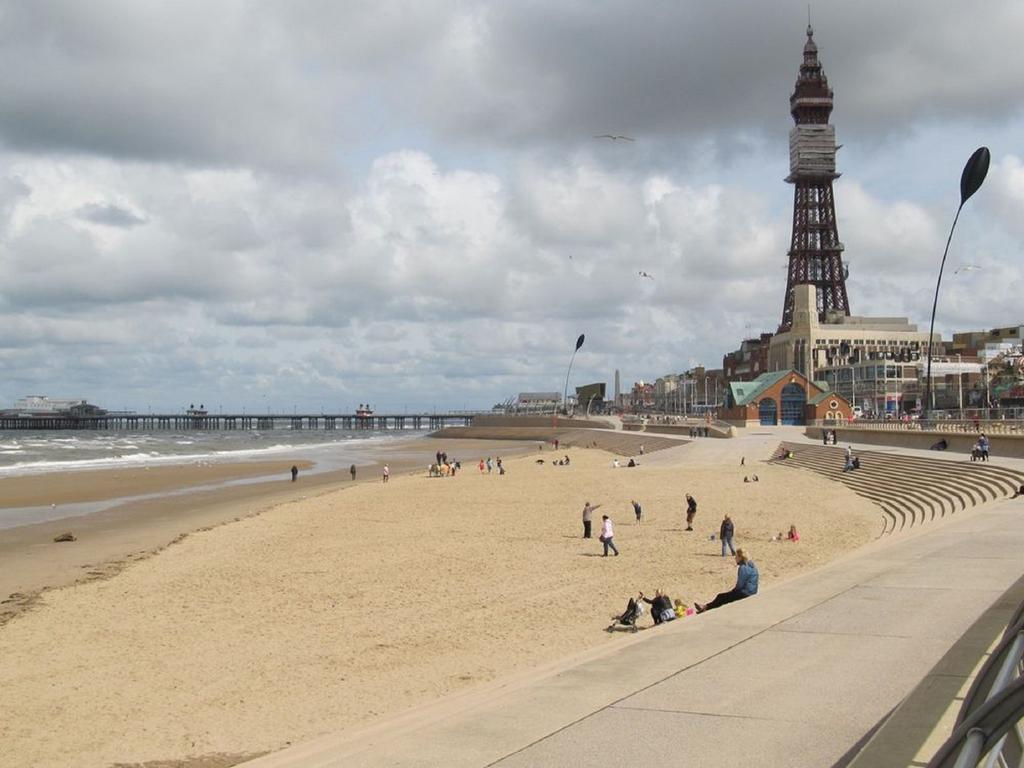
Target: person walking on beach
<point x="387" y="473"/>
<point x="637" y="510"/>
<point x="725" y="533"/>
<point x="295" y="473"/>
<point x="489" y="465"/>
<point x="641" y="449"/>
<point x="352" y="471"/>
<point x="691" y="511"/>
<point x="607" y="534"/>
<point x="588" y="515"/>
<point x="746" y="584"/>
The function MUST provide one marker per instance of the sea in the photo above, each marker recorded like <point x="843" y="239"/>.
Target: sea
<point x="49" y="451"/>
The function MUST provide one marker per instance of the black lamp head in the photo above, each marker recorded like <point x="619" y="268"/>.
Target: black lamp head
<point x="974" y="173"/>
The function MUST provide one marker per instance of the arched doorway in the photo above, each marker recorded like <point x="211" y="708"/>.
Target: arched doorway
<point x="766" y="412"/>
<point x="794" y="400"/>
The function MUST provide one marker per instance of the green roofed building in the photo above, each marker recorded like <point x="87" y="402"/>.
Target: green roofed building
<point x="783" y="397"/>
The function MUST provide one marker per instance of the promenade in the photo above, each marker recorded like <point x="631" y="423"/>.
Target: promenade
<point x="801" y="675"/>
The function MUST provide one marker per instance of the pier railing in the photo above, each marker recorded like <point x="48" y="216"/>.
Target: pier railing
<point x="216" y="422"/>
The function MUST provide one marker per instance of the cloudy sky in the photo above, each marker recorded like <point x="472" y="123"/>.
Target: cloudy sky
<point x="311" y="204"/>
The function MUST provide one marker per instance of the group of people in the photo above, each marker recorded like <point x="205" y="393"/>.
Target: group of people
<point x="852" y="462"/>
<point x="791" y="536"/>
<point x="828" y="437"/>
<point x="607" y="535"/>
<point x="488" y="466"/>
<point x="980" y="450"/>
<point x="631" y="463"/>
<point x="698" y="431"/>
<point x="664" y="609"/>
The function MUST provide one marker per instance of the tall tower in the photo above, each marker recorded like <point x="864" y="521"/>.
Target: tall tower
<point x="815" y="253"/>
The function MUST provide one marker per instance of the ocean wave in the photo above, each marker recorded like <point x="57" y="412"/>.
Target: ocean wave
<point x="108" y="452"/>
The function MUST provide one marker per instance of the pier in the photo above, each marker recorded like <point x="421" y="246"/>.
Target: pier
<point x="129" y="422"/>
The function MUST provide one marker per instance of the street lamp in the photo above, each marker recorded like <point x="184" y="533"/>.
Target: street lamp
<point x="565" y="390"/>
<point x="970" y="181"/>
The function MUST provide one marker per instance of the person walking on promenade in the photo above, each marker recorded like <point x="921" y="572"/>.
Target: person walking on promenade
<point x="295" y="473"/>
<point x="983" y="445"/>
<point x="725" y="533"/>
<point x="352" y="471"/>
<point x="607" y="534"/>
<point x="387" y="473"/>
<point x="637" y="510"/>
<point x="588" y="515"/>
<point x="746" y="583"/>
<point x="691" y="511"/>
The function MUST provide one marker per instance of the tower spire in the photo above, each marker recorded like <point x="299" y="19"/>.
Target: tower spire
<point x="815" y="253"/>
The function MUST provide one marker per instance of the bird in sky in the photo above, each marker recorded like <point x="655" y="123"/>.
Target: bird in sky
<point x="615" y="137"/>
<point x="644" y="274"/>
<point x="965" y="268"/>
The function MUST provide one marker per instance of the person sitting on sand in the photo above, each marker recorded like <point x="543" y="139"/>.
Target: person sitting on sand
<point x="615" y="463"/>
<point x="565" y="461"/>
<point x="746" y="479"/>
<point x="631" y="463"/>
<point x="1020" y="492"/>
<point x="682" y="609"/>
<point x="793" y="535"/>
<point x="755" y="480"/>
<point x="746" y="584"/>
<point x="661" y="607"/>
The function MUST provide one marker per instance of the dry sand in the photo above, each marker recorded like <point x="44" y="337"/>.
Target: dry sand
<point x="324" y="613"/>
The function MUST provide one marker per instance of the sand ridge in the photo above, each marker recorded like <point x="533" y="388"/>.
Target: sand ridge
<point x="328" y="612"/>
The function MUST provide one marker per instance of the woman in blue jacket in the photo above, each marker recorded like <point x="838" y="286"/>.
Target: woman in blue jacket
<point x="746" y="583"/>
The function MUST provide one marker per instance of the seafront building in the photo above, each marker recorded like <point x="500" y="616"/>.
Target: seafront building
<point x="41" y="405"/>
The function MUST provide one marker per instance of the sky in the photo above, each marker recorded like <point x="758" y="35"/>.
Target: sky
<point x="309" y="205"/>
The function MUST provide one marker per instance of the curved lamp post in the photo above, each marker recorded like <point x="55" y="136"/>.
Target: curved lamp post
<point x="565" y="390"/>
<point x="970" y="181"/>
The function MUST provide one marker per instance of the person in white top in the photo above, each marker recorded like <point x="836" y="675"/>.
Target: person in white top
<point x="387" y="473"/>
<point x="607" y="534"/>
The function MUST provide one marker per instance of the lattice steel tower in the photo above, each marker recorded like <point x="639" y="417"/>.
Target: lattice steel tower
<point x="815" y="253"/>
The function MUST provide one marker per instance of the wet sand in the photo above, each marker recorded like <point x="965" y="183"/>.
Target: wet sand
<point x="326" y="612"/>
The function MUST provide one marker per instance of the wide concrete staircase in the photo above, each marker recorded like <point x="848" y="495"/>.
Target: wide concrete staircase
<point x="908" y="489"/>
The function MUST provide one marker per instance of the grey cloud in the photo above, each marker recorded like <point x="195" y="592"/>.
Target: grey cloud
<point x="109" y="215"/>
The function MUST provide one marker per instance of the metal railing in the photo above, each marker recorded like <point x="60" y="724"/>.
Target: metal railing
<point x="966" y="426"/>
<point x="988" y="729"/>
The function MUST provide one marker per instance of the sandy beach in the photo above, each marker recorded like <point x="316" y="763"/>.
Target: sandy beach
<point x="312" y="615"/>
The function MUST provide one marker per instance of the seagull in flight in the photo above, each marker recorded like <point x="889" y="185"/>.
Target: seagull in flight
<point x="644" y="274"/>
<point x="615" y="137"/>
<point x="965" y="268"/>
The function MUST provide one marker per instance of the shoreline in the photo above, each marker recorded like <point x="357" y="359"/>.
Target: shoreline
<point x="177" y="503"/>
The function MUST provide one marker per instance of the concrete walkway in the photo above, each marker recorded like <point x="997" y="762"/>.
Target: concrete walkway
<point x="798" y="676"/>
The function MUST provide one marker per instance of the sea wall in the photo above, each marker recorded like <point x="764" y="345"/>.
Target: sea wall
<point x="548" y="422"/>
<point x="958" y="442"/>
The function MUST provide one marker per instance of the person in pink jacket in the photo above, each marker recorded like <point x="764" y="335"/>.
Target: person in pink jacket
<point x="607" y="534"/>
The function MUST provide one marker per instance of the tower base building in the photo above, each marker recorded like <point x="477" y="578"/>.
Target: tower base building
<point x="873" y="362"/>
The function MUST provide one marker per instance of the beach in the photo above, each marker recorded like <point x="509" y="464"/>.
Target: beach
<point x="341" y="605"/>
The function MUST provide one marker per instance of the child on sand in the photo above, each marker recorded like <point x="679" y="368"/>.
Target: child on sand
<point x="793" y="535"/>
